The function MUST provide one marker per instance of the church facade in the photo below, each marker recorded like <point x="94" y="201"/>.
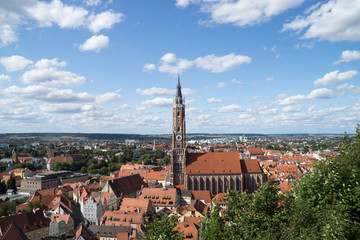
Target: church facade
<point x="216" y="172"/>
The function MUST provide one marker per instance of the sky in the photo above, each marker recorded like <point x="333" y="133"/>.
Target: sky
<point x="246" y="66"/>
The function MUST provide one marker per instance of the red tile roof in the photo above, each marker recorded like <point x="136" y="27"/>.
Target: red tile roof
<point x="159" y="196"/>
<point x="213" y="163"/>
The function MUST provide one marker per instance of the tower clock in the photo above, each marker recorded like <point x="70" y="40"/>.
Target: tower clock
<point x="178" y="155"/>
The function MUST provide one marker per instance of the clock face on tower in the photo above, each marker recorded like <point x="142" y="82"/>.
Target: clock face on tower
<point x="178" y="138"/>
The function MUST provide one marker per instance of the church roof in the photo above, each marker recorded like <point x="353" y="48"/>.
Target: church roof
<point x="219" y="163"/>
<point x="213" y="163"/>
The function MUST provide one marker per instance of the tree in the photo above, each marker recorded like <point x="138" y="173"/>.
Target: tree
<point x="163" y="229"/>
<point x="214" y="226"/>
<point x="11" y="184"/>
<point x="34" y="205"/>
<point x="3" y="187"/>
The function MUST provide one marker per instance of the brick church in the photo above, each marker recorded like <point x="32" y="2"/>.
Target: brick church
<point x="216" y="172"/>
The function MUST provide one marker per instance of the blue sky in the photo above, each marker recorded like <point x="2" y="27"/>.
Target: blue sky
<point x="247" y="66"/>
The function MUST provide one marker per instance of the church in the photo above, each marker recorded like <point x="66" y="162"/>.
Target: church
<point x="213" y="171"/>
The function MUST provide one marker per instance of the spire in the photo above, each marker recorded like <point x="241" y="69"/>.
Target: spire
<point x="178" y="97"/>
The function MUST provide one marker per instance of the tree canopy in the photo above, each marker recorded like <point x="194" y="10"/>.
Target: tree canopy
<point x="324" y="204"/>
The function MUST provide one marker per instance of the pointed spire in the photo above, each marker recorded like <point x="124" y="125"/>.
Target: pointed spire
<point x="178" y="97"/>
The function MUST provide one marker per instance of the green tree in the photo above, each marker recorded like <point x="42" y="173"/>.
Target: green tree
<point x="163" y="229"/>
<point x="34" y="205"/>
<point x="11" y="184"/>
<point x="3" y="187"/>
<point x="214" y="226"/>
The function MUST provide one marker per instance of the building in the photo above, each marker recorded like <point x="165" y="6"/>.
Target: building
<point x="52" y="179"/>
<point x="161" y="197"/>
<point x="216" y="172"/>
<point x="33" y="224"/>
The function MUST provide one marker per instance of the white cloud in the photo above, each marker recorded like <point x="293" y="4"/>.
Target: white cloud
<point x="236" y="81"/>
<point x="230" y="108"/>
<point x="171" y="64"/>
<point x="221" y="64"/>
<point x="154" y="91"/>
<point x="269" y="79"/>
<point x="321" y="93"/>
<point x="148" y="67"/>
<point x="293" y="108"/>
<point x="241" y="12"/>
<point x="46" y="14"/>
<point x="46" y="72"/>
<point x="214" y="100"/>
<point x="61" y="108"/>
<point x="221" y="84"/>
<point x="334" y="20"/>
<point x="7" y="35"/>
<point x="158" y="102"/>
<point x="348" y="56"/>
<point x="15" y="63"/>
<point x="183" y="3"/>
<point x="335" y="77"/>
<point x="110" y="97"/>
<point x="92" y="2"/>
<point x="254" y="97"/>
<point x="65" y="16"/>
<point x="95" y="43"/>
<point x="104" y="20"/>
<point x="4" y="77"/>
<point x="45" y="94"/>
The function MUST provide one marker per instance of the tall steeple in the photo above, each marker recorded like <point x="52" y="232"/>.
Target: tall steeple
<point x="178" y="97"/>
<point x="178" y="156"/>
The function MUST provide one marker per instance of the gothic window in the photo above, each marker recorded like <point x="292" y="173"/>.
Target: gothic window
<point x="178" y="114"/>
<point x="178" y="128"/>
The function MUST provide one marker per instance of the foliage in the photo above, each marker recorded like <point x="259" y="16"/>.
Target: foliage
<point x="11" y="184"/>
<point x="214" y="226"/>
<point x="163" y="229"/>
<point x="34" y="205"/>
<point x="324" y="204"/>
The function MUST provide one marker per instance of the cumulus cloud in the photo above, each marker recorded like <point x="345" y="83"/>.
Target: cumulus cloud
<point x="236" y="81"/>
<point x="158" y="102"/>
<point x="15" y="63"/>
<point x="214" y="100"/>
<point x="269" y="79"/>
<point x="221" y="84"/>
<point x="154" y="91"/>
<point x="7" y="35"/>
<point x="293" y="108"/>
<point x="241" y="12"/>
<point x="46" y="72"/>
<point x="348" y="56"/>
<point x="45" y="94"/>
<point x="55" y="12"/>
<point x="95" y="43"/>
<point x="321" y="93"/>
<point x="4" y="78"/>
<point x="148" y="67"/>
<point x="104" y="20"/>
<point x="230" y="108"/>
<point x="221" y="64"/>
<point x="92" y="2"/>
<point x="334" y="77"/>
<point x="172" y="64"/>
<point x="334" y="20"/>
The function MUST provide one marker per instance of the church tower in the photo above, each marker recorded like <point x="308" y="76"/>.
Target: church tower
<point x="178" y="155"/>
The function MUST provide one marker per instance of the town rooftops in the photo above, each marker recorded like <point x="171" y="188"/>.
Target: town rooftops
<point x="160" y="196"/>
<point x="219" y="163"/>
<point x="26" y="222"/>
<point x="127" y="185"/>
